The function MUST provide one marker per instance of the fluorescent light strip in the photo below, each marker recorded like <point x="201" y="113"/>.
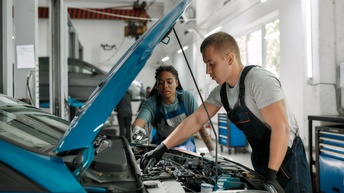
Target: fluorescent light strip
<point x="165" y="59"/>
<point x="184" y="48"/>
<point x="212" y="31"/>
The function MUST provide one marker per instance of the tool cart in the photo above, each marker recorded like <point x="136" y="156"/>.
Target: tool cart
<point x="329" y="145"/>
<point x="230" y="136"/>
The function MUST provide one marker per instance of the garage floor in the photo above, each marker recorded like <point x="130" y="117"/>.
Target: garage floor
<point x="239" y="156"/>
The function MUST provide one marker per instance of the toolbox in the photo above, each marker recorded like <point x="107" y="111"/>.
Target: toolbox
<point x="230" y="136"/>
<point x="329" y="145"/>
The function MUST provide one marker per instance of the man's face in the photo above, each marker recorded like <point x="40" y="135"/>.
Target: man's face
<point x="216" y="64"/>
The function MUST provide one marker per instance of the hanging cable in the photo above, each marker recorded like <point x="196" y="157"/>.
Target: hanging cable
<point x="199" y="93"/>
<point x="113" y="55"/>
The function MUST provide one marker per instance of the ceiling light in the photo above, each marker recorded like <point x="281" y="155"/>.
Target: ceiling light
<point x="263" y="1"/>
<point x="184" y="48"/>
<point x="212" y="31"/>
<point x="165" y="59"/>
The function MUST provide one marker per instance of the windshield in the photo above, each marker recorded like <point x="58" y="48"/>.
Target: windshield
<point x="31" y="127"/>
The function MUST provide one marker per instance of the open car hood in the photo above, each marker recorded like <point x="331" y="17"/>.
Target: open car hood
<point x="91" y="117"/>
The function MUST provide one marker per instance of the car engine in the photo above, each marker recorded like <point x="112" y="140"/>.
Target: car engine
<point x="116" y="166"/>
<point x="195" y="173"/>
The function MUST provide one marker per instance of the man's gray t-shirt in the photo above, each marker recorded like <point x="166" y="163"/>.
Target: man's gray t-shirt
<point x="262" y="88"/>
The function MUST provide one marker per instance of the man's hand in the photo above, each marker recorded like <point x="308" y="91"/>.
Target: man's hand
<point x="271" y="183"/>
<point x="152" y="157"/>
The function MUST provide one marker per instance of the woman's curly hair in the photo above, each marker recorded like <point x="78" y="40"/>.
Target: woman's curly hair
<point x="158" y="71"/>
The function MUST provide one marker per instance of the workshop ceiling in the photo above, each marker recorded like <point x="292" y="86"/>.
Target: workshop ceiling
<point x="92" y="13"/>
<point x="133" y="12"/>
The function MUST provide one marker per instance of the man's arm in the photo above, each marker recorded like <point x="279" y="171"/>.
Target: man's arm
<point x="206" y="139"/>
<point x="275" y="116"/>
<point x="190" y="125"/>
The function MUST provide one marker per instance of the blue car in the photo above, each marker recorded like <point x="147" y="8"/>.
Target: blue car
<point x="44" y="153"/>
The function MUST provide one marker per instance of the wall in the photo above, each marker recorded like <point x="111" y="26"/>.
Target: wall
<point x="93" y="33"/>
<point x="305" y="97"/>
<point x="239" y="17"/>
<point x="328" y="52"/>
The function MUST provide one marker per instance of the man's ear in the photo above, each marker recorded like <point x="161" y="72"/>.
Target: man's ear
<point x="230" y="57"/>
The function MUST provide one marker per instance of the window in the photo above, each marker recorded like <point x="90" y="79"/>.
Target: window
<point x="254" y="48"/>
<point x="262" y="47"/>
<point x="272" y="47"/>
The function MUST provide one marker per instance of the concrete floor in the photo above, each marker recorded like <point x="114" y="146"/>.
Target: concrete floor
<point x="237" y="156"/>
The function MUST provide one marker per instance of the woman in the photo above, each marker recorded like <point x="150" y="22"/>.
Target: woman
<point x="167" y="105"/>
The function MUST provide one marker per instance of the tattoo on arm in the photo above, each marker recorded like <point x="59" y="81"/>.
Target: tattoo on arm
<point x="206" y="139"/>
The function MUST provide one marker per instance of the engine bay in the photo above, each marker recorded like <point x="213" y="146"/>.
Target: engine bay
<point x="195" y="172"/>
<point x="116" y="167"/>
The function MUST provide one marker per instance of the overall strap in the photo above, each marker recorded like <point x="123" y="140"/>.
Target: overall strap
<point x="224" y="99"/>
<point x="223" y="92"/>
<point x="242" y="83"/>
<point x="159" y="114"/>
<point x="181" y="100"/>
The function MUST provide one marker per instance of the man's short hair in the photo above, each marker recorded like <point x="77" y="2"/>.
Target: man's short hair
<point x="221" y="41"/>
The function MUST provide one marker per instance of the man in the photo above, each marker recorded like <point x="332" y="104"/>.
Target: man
<point x="148" y="91"/>
<point x="255" y="103"/>
<point x="124" y="115"/>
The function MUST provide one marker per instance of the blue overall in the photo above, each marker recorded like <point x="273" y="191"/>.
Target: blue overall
<point x="165" y="123"/>
<point x="293" y="175"/>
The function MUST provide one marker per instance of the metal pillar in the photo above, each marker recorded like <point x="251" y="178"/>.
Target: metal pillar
<point x="58" y="59"/>
<point x="6" y="48"/>
<point x="74" y="43"/>
<point x="1" y="47"/>
<point x="25" y="36"/>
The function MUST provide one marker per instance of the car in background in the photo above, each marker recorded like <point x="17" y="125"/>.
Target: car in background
<point x="44" y="153"/>
<point x="83" y="78"/>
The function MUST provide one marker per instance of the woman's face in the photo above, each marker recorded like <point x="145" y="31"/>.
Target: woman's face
<point x="167" y="84"/>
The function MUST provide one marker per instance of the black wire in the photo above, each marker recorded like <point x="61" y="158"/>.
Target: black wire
<point x="199" y="93"/>
<point x="113" y="55"/>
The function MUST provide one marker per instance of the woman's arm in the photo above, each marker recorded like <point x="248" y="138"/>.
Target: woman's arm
<point x="139" y="122"/>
